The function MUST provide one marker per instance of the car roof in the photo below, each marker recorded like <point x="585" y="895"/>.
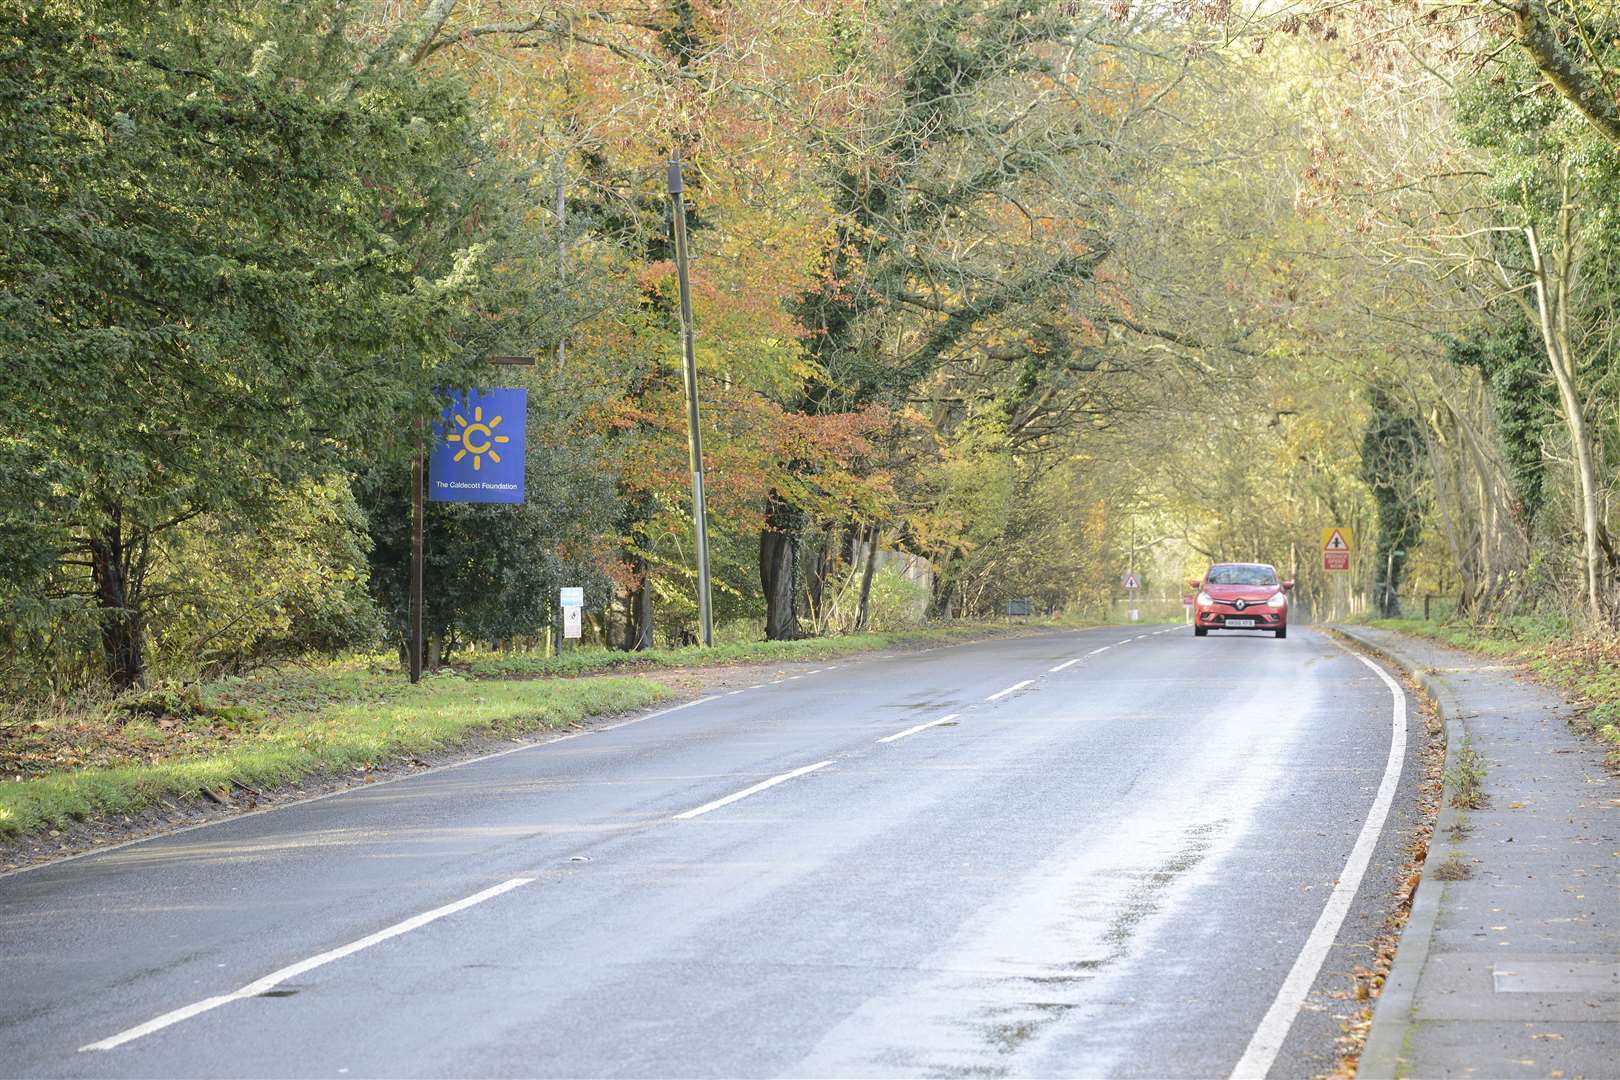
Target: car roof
<point x="1256" y="565"/>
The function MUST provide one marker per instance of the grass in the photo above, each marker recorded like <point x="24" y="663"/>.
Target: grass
<point x="597" y="660"/>
<point x="1585" y="669"/>
<point x="1454" y="869"/>
<point x="95" y="759"/>
<point x="1467" y="779"/>
<point x="249" y="734"/>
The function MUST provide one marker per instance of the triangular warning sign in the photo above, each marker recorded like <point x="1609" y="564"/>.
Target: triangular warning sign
<point x="1336" y="542"/>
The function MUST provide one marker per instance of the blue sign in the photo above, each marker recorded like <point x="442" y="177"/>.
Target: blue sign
<point x="478" y="447"/>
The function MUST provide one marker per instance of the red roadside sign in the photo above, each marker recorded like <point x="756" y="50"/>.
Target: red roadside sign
<point x="1336" y="550"/>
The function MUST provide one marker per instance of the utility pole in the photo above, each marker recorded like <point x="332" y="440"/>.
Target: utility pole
<point x="561" y="169"/>
<point x="1132" y="567"/>
<point x="694" y="441"/>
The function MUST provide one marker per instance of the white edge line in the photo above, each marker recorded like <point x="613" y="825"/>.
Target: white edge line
<point x="105" y="849"/>
<point x="1066" y="663"/>
<point x="687" y="815"/>
<point x="1010" y="689"/>
<point x="373" y="786"/>
<point x="1268" y="1037"/>
<point x="639" y="719"/>
<point x="292" y="971"/>
<point x="919" y="727"/>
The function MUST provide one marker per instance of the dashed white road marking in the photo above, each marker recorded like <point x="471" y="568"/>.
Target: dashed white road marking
<point x="1094" y="652"/>
<point x="919" y="727"/>
<point x="1009" y="690"/>
<point x="1268" y="1038"/>
<point x="687" y="815"/>
<point x="292" y="971"/>
<point x="1066" y="663"/>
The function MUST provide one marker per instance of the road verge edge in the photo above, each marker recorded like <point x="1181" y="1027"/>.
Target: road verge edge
<point x="1392" y="1016"/>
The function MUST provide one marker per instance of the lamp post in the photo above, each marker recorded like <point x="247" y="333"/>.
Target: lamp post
<point x="694" y="440"/>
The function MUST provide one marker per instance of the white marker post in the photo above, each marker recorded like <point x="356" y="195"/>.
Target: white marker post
<point x="572" y="601"/>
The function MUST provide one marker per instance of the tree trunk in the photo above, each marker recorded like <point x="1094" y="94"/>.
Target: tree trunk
<point x="815" y="586"/>
<point x="1555" y="335"/>
<point x="778" y="563"/>
<point x="638" y="622"/>
<point x="862" y="613"/>
<point x="116" y="570"/>
<point x="940" y="604"/>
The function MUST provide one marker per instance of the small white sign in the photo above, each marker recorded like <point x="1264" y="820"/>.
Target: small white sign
<point x="572" y="622"/>
<point x="572" y="596"/>
<point x="1136" y="616"/>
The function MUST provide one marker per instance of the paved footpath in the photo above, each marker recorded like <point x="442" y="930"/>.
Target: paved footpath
<point x="1514" y="971"/>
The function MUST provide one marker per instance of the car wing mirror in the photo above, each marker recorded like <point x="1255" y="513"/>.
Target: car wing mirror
<point x="1289" y="584"/>
<point x="1193" y="583"/>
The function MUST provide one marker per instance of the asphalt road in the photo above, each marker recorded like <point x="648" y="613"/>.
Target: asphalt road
<point x="1111" y="870"/>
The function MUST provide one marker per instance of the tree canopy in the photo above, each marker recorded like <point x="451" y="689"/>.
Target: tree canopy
<point x="1025" y="293"/>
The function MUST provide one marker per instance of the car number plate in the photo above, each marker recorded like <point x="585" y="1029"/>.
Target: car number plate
<point x="1239" y="622"/>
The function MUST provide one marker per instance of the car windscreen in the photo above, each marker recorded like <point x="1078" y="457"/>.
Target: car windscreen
<point x="1241" y="575"/>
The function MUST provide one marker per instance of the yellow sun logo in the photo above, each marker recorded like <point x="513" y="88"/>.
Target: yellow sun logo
<point x="477" y="438"/>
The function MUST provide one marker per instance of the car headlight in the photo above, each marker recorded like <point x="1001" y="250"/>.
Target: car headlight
<point x="1204" y="599"/>
<point x="1278" y="599"/>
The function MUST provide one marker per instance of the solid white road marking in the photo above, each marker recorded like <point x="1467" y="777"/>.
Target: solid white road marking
<point x="1009" y="690"/>
<point x="1066" y="663"/>
<point x="641" y="719"/>
<point x="1268" y="1038"/>
<point x="292" y="971"/>
<point x="745" y="792"/>
<point x="919" y="727"/>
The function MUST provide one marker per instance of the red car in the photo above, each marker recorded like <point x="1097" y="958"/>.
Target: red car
<point x="1241" y="596"/>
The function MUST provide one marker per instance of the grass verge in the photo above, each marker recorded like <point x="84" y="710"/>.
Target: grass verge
<point x="274" y="730"/>
<point x="1584" y="670"/>
<point x="596" y="661"/>
<point x="96" y="760"/>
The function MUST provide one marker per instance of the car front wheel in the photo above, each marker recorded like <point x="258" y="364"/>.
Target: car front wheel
<point x="1200" y="631"/>
<point x="1282" y="631"/>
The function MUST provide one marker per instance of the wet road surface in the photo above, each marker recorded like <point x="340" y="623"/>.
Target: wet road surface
<point x="1093" y="853"/>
